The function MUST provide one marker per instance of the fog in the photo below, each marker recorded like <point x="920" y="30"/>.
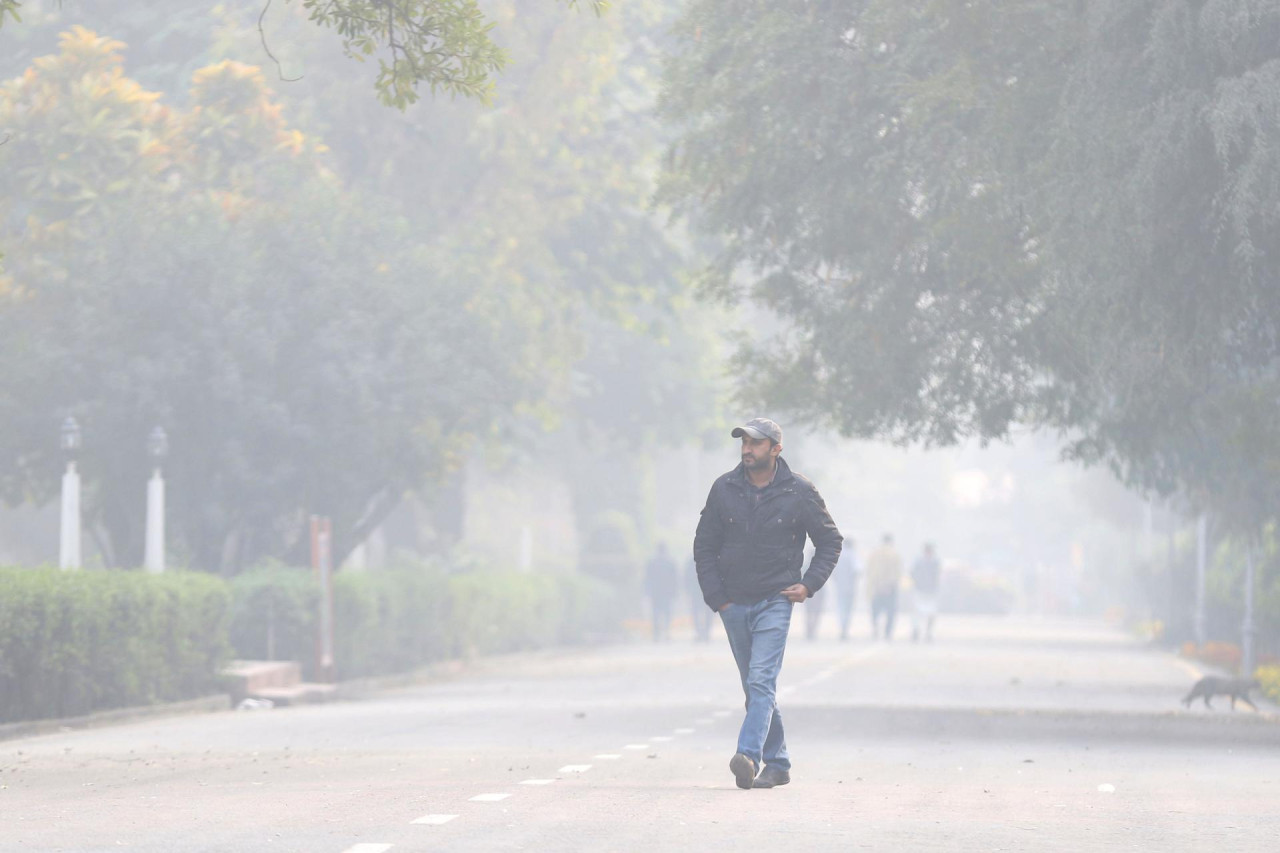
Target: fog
<point x="347" y="345"/>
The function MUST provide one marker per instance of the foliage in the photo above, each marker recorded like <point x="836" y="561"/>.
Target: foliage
<point x="1270" y="677"/>
<point x="273" y="613"/>
<point x="844" y="152"/>
<point x="1225" y="656"/>
<point x="1224" y="585"/>
<point x="205" y="270"/>
<point x="75" y="642"/>
<point x="543" y="204"/>
<point x="406" y="617"/>
<point x="392" y="621"/>
<point x="974" y="214"/>
<point x="525" y="230"/>
<point x="444" y="45"/>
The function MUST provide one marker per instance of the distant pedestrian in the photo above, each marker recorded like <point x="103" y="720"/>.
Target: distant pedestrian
<point x="749" y="552"/>
<point x="848" y="575"/>
<point x="698" y="609"/>
<point x="660" y="584"/>
<point x="884" y="574"/>
<point x="926" y="575"/>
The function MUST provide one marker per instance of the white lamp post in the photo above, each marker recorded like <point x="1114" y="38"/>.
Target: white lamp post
<point x="1201" y="544"/>
<point x="69" y="542"/>
<point x="158" y="447"/>
<point x="1249" y="631"/>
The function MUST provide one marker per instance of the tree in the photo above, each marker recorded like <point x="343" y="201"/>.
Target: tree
<point x="839" y="149"/>
<point x="1162" y="243"/>
<point x="973" y="214"/>
<point x="205" y="270"/>
<point x="542" y="201"/>
<point x="440" y="45"/>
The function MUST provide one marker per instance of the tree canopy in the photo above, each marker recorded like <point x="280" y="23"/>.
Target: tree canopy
<point x="205" y="270"/>
<point x="969" y="215"/>
<point x="458" y="275"/>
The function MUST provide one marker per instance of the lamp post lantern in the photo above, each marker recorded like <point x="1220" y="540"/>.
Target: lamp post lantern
<point x="69" y="539"/>
<point x="158" y="447"/>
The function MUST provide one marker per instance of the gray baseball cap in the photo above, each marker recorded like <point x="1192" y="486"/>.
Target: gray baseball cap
<point x="759" y="428"/>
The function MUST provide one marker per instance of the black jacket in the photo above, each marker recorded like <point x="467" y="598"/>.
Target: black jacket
<point x="750" y="542"/>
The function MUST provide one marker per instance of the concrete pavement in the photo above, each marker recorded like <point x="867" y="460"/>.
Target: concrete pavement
<point x="1008" y="734"/>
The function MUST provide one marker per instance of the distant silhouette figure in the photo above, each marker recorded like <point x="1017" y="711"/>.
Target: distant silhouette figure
<point x="884" y="573"/>
<point x="926" y="574"/>
<point x="660" y="585"/>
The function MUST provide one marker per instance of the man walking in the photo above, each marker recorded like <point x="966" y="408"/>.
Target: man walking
<point x="749" y="552"/>
<point x="884" y="573"/>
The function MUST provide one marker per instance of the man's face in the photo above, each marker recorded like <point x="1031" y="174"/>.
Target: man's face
<point x="758" y="453"/>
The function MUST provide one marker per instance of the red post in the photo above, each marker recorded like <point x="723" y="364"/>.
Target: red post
<point x="322" y="566"/>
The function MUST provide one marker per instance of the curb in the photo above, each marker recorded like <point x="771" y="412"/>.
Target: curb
<point x="355" y="688"/>
<point x="1012" y="724"/>
<point x="115" y="716"/>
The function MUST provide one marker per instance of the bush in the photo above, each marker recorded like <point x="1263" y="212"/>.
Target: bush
<point x="1222" y="655"/>
<point x="390" y="621"/>
<point x="76" y="642"/>
<point x="398" y="619"/>
<point x="273" y="614"/>
<point x="1269" y="675"/>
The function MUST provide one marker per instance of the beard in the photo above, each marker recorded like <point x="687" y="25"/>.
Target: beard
<point x="759" y="464"/>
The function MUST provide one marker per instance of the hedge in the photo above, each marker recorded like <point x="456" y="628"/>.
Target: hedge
<point x="273" y="613"/>
<point x="75" y="642"/>
<point x="399" y="619"/>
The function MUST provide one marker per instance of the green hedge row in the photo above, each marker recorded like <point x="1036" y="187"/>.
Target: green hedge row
<point x="75" y="642"/>
<point x="400" y="619"/>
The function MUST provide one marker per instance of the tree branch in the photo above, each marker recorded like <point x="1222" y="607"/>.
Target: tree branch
<point x="263" y="36"/>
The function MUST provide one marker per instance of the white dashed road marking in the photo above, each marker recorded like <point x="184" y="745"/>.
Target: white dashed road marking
<point x="368" y="848"/>
<point x="537" y="781"/>
<point x="721" y="713"/>
<point x="685" y="731"/>
<point x="661" y="739"/>
<point x="489" y="798"/>
<point x="607" y="756"/>
<point x="575" y="768"/>
<point x="434" y="819"/>
<point x="636" y="746"/>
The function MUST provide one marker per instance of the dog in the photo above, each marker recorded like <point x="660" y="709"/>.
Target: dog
<point x="1213" y="685"/>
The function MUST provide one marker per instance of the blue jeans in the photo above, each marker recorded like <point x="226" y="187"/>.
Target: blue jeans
<point x="758" y="636"/>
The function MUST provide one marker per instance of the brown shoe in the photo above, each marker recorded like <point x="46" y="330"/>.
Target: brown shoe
<point x="744" y="770"/>
<point x="771" y="777"/>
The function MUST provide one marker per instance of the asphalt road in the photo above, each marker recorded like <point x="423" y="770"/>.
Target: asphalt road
<point x="1005" y="734"/>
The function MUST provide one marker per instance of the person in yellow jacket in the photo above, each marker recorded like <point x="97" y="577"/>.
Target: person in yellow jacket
<point x="884" y="574"/>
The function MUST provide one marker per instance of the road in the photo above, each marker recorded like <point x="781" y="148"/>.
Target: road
<point x="1005" y="734"/>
